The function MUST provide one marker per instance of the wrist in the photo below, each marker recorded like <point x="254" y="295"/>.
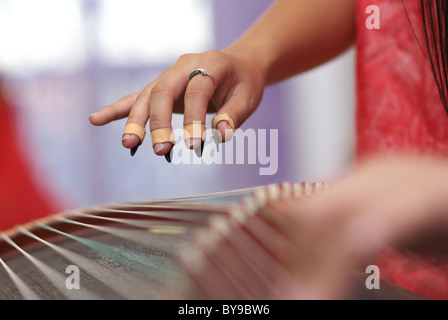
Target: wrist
<point x="251" y="54"/>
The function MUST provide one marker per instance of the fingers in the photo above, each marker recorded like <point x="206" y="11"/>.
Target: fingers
<point x="133" y="135"/>
<point x="238" y="107"/>
<point x="134" y="131"/>
<point x="155" y="103"/>
<point x="224" y="127"/>
<point x="219" y="80"/>
<point x="198" y="95"/>
<point x="199" y="92"/>
<point x="161" y="99"/>
<point x="115" y="111"/>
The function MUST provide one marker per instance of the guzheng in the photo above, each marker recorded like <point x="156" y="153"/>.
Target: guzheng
<point x="203" y="247"/>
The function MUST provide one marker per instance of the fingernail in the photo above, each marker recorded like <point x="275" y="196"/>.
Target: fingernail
<point x="193" y="143"/>
<point x="125" y="136"/>
<point x="227" y="128"/>
<point x="228" y="132"/>
<point x="93" y="114"/>
<point x="158" y="147"/>
<point x="168" y="155"/>
<point x="199" y="150"/>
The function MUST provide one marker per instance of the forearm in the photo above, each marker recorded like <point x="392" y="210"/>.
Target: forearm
<point x="293" y="36"/>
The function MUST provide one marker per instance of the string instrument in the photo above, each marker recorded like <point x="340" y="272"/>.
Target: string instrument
<point x="214" y="246"/>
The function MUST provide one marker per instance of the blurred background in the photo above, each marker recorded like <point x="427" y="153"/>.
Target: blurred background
<point x="60" y="61"/>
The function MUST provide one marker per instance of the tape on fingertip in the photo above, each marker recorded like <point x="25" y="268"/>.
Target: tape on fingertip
<point x="194" y="130"/>
<point x="162" y="135"/>
<point x="134" y="128"/>
<point x="221" y="117"/>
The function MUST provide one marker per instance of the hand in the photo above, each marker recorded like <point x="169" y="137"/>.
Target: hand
<point x="398" y="201"/>
<point x="236" y="91"/>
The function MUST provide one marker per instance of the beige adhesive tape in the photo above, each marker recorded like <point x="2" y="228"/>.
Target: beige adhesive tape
<point x="134" y="128"/>
<point x="221" y="117"/>
<point x="194" y="130"/>
<point x="162" y="135"/>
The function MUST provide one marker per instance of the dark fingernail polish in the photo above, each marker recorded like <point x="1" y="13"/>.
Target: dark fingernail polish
<point x="199" y="150"/>
<point x="168" y="155"/>
<point x="134" y="150"/>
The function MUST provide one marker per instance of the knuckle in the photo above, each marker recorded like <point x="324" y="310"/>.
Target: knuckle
<point x="185" y="57"/>
<point x="160" y="90"/>
<point x="166" y="71"/>
<point x="214" y="57"/>
<point x="114" y="112"/>
<point x="142" y="96"/>
<point x="157" y="121"/>
<point x="211" y="54"/>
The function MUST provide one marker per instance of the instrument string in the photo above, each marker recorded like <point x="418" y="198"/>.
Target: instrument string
<point x="125" y="286"/>
<point x="144" y="264"/>
<point x="25" y="291"/>
<point x="173" y="227"/>
<point x="216" y="256"/>
<point x="225" y="197"/>
<point x="195" y="217"/>
<point x="228" y="251"/>
<point x="228" y="255"/>
<point x="256" y="258"/>
<point x="52" y="275"/>
<point x="138" y="236"/>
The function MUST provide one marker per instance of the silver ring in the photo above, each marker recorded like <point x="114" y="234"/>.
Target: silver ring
<point x="201" y="72"/>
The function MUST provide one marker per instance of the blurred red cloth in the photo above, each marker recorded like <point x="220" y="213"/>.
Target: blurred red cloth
<point x="399" y="108"/>
<point x="20" y="199"/>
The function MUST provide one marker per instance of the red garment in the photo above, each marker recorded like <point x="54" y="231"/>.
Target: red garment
<point x="399" y="108"/>
<point x="20" y="199"/>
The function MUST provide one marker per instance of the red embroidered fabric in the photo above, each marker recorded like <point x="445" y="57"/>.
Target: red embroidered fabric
<point x="398" y="108"/>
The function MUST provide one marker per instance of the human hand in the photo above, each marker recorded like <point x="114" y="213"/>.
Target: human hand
<point x="399" y="201"/>
<point x="234" y="89"/>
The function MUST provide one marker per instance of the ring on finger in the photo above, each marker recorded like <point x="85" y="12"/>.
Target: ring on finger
<point x="203" y="72"/>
